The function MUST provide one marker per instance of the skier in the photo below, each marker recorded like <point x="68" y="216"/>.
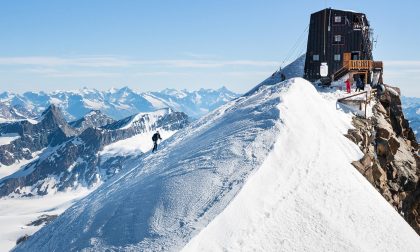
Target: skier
<point x="155" y="139"/>
<point x="348" y="85"/>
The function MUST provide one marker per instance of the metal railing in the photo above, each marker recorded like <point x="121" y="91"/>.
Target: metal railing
<point x="362" y="103"/>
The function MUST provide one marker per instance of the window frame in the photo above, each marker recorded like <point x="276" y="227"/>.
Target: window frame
<point x="339" y="38"/>
<point x="337" y="58"/>
<point x="341" y="22"/>
<point x="338" y="17"/>
<point x="340" y="42"/>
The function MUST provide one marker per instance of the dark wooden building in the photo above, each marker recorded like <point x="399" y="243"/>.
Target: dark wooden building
<point x="342" y="41"/>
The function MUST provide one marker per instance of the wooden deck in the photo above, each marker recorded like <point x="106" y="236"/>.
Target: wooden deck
<point x="359" y="64"/>
<point x="357" y="67"/>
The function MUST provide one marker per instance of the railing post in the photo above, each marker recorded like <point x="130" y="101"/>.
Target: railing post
<point x="366" y="105"/>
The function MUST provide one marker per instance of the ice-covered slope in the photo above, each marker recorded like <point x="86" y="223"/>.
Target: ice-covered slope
<point x="302" y="192"/>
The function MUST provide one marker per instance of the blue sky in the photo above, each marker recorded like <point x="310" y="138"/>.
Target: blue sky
<point x="152" y="45"/>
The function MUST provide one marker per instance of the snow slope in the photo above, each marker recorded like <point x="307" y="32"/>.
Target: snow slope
<point x="307" y="196"/>
<point x="301" y="193"/>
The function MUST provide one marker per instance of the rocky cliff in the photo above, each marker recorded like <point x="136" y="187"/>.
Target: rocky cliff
<point x="50" y="130"/>
<point x="391" y="160"/>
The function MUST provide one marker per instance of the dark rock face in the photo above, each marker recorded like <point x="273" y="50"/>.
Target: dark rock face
<point x="22" y="239"/>
<point x="50" y="130"/>
<point x="74" y="159"/>
<point x="43" y="219"/>
<point x="391" y="160"/>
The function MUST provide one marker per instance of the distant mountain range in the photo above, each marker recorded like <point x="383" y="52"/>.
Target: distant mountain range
<point x="115" y="103"/>
<point x="411" y="108"/>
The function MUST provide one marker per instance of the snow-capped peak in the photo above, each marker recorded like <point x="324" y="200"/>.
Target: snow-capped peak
<point x="147" y="118"/>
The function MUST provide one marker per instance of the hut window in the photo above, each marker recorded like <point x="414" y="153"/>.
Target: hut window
<point x="337" y="19"/>
<point x="337" y="57"/>
<point x="315" y="57"/>
<point x="337" y="38"/>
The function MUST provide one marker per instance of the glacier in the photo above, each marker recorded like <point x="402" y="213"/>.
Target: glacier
<point x="268" y="171"/>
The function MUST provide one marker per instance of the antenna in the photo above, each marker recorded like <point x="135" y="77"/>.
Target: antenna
<point x="375" y="40"/>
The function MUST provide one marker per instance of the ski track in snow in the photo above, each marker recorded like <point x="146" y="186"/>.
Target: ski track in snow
<point x="301" y="193"/>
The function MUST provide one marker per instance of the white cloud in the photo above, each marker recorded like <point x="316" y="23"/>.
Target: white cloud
<point x="161" y="73"/>
<point x="248" y="73"/>
<point x="63" y="61"/>
<point x="54" y="73"/>
<point x="109" y="61"/>
<point x="402" y="63"/>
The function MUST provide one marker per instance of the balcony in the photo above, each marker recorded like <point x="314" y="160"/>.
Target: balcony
<point x="359" y="64"/>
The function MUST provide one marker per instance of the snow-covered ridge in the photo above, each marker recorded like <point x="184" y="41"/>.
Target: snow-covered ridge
<point x="306" y="196"/>
<point x="278" y="153"/>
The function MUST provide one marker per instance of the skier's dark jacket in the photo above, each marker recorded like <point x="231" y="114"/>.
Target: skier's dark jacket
<point x="156" y="136"/>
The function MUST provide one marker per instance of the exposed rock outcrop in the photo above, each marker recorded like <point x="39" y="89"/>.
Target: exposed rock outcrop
<point x="50" y="130"/>
<point x="391" y="160"/>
